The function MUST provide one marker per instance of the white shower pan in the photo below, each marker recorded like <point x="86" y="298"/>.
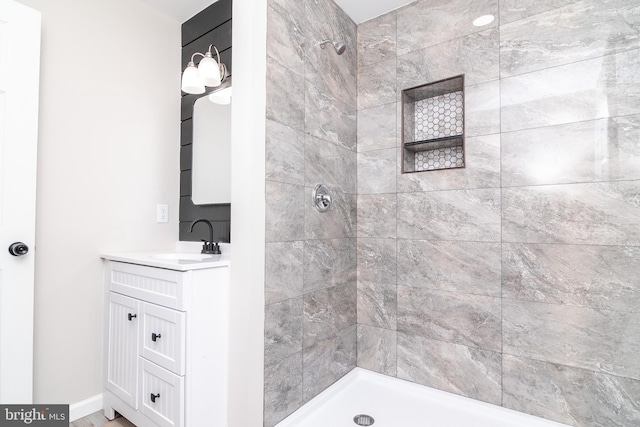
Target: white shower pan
<point x="391" y="402"/>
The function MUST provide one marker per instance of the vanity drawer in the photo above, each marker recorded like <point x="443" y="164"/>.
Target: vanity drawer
<point x="163" y="337"/>
<point x="156" y="285"/>
<point x="161" y="395"/>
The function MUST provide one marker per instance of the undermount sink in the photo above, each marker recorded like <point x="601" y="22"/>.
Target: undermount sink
<point x="182" y="256"/>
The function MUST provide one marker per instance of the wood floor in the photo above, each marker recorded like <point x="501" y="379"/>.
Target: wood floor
<point x="97" y="419"/>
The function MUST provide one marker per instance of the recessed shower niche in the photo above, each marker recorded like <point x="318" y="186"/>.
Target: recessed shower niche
<point x="433" y="126"/>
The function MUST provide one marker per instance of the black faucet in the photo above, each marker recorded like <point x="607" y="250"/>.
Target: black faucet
<point x="209" y="246"/>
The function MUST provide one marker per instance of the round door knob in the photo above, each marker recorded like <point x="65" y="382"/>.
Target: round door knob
<point x="18" y="249"/>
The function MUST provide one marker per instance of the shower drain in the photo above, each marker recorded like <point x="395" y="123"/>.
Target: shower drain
<point x="364" y="420"/>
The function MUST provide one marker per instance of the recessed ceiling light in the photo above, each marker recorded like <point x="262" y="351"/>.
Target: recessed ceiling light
<point x="483" y="20"/>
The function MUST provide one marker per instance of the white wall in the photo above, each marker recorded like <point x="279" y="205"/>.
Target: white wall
<point x="248" y="212"/>
<point x="108" y="153"/>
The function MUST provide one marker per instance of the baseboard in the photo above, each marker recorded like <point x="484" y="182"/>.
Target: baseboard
<point x="85" y="407"/>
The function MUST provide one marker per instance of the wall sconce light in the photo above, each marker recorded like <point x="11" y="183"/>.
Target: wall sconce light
<point x="210" y="72"/>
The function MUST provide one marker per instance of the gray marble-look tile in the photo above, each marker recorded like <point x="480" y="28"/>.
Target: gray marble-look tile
<point x="476" y="56"/>
<point x="339" y="222"/>
<point x="586" y="90"/>
<point x="482" y="109"/>
<point x="284" y="151"/>
<point x="329" y="72"/>
<point x="377" y="349"/>
<point x="282" y="330"/>
<point x="377" y="127"/>
<point x="282" y="389"/>
<point x="602" y="277"/>
<point x="512" y="10"/>
<point x="597" y="214"/>
<point x="377" y="260"/>
<point x="598" y="150"/>
<point x="328" y="263"/>
<point x="482" y="169"/>
<point x="285" y="33"/>
<point x="376" y="84"/>
<point x="327" y="361"/>
<point x="327" y="312"/>
<point x="283" y="271"/>
<point x="377" y="39"/>
<point x="426" y="23"/>
<point x="377" y="304"/>
<point x="455" y="368"/>
<point x="377" y="215"/>
<point x="472" y="320"/>
<point x="464" y="267"/>
<point x="582" y="30"/>
<point x="583" y="337"/>
<point x="329" y="119"/>
<point x="450" y="215"/>
<point x="377" y="171"/>
<point x="329" y="164"/>
<point x="284" y="212"/>
<point x="577" y="397"/>
<point x="285" y="96"/>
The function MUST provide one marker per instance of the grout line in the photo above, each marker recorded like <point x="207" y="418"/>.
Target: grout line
<point x="501" y="211"/>
<point x="480" y="30"/>
<point x="574" y="122"/>
<point x="573" y="367"/>
<point x="398" y="167"/>
<point x="550" y="67"/>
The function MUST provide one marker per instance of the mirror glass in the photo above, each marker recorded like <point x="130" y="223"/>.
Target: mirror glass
<point x="211" y="163"/>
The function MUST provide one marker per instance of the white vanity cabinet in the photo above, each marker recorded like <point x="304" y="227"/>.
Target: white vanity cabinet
<point x="166" y="344"/>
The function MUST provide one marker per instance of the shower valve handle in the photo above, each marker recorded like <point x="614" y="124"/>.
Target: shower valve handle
<point x="321" y="198"/>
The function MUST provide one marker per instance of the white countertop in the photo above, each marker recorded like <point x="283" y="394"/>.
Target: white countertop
<point x="172" y="260"/>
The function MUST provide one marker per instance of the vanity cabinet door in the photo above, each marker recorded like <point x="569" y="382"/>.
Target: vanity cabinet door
<point x="122" y="372"/>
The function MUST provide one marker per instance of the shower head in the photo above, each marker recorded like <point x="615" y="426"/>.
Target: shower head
<point x="337" y="45"/>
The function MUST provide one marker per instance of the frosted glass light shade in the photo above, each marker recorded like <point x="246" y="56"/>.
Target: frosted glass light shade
<point x="191" y="82"/>
<point x="221" y="97"/>
<point x="209" y="71"/>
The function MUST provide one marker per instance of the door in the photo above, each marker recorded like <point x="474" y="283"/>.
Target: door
<point x="122" y="374"/>
<point x="19" y="77"/>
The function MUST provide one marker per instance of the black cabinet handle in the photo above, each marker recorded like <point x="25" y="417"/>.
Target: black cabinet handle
<point x="131" y="316"/>
<point x="154" y="337"/>
<point x="154" y="397"/>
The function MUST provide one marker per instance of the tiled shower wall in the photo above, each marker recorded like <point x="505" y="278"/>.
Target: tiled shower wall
<point x="515" y="280"/>
<point x="310" y="325"/>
